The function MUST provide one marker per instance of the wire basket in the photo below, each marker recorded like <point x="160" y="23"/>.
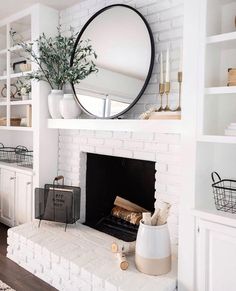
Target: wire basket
<point x="224" y="193"/>
<point x="58" y="203"/>
<point x="10" y="154"/>
<point x="25" y="159"/>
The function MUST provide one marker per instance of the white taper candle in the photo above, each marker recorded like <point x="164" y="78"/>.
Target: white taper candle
<point x="167" y="65"/>
<point x="180" y="60"/>
<point x="161" y="71"/>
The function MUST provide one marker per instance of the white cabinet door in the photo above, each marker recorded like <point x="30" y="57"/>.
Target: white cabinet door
<point x="216" y="257"/>
<point x="23" y="199"/>
<point x="7" y="192"/>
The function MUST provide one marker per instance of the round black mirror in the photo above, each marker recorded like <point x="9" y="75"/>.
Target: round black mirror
<point x="123" y="42"/>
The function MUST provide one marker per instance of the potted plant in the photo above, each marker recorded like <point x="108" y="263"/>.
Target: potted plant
<point x="24" y="89"/>
<point x="52" y="56"/>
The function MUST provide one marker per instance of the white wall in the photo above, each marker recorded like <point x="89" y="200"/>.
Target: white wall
<point x="166" y="20"/>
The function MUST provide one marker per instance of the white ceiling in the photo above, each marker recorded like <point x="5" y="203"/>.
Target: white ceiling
<point x="12" y="6"/>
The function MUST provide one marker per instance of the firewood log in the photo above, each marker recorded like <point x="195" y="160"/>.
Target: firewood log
<point x="126" y="204"/>
<point x="123" y="263"/>
<point x="132" y="217"/>
<point x="124" y="247"/>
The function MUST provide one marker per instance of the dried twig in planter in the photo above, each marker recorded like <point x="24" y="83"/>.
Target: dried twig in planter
<point x="147" y="218"/>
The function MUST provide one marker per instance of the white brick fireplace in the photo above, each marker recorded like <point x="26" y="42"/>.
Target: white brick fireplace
<point x="81" y="258"/>
<point x="162" y="148"/>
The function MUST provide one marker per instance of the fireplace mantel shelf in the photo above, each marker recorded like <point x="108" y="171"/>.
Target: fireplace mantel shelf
<point x="161" y="126"/>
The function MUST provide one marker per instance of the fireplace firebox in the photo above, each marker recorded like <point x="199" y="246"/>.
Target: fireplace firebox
<point x="108" y="177"/>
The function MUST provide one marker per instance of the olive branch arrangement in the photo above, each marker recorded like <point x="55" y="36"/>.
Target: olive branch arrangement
<point x="52" y="56"/>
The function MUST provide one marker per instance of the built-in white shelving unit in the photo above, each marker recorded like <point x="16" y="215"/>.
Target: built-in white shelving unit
<point x="29" y="25"/>
<point x="207" y="236"/>
<point x="221" y="38"/>
<point x="217" y="102"/>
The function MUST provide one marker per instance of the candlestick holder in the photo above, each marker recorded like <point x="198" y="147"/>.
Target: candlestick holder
<point x="161" y="93"/>
<point x="167" y="92"/>
<point x="180" y="79"/>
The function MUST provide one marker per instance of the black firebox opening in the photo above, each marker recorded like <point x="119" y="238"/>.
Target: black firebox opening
<point x="108" y="177"/>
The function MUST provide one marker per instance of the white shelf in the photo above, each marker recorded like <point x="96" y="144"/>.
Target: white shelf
<point x="21" y="74"/>
<point x="14" y="167"/>
<point x="220" y="90"/>
<point x="21" y="102"/>
<point x="3" y="78"/>
<point x="17" y="47"/>
<point x="221" y="38"/>
<point x="162" y="126"/>
<point x="216" y="216"/>
<point x="16" y="128"/>
<point x="217" y="139"/>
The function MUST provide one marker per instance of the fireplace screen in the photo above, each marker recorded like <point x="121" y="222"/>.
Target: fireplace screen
<point x="129" y="180"/>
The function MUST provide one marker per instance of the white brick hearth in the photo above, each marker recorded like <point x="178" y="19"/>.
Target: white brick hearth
<point x="78" y="260"/>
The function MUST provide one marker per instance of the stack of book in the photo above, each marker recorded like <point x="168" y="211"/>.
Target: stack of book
<point x="231" y="77"/>
<point x="231" y="129"/>
<point x="165" y="115"/>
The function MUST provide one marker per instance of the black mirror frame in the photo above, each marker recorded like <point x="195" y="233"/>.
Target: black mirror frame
<point x="150" y="66"/>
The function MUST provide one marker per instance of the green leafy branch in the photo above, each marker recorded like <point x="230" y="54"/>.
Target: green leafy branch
<point x="52" y="56"/>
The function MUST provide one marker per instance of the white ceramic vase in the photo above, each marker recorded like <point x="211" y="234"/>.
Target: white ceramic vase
<point x="69" y="109"/>
<point x="54" y="103"/>
<point x="153" y="251"/>
<point x="25" y="96"/>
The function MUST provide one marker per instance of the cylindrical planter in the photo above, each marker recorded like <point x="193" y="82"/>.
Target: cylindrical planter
<point x="25" y="96"/>
<point x="54" y="103"/>
<point x="69" y="109"/>
<point x="153" y="251"/>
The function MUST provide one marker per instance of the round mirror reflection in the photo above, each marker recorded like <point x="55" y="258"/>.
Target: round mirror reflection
<point x="123" y="42"/>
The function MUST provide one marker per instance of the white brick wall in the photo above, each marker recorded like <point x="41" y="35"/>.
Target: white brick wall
<point x="166" y="20"/>
<point x="164" y="149"/>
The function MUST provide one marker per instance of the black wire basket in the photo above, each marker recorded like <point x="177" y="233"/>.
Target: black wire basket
<point x="25" y="159"/>
<point x="224" y="193"/>
<point x="10" y="154"/>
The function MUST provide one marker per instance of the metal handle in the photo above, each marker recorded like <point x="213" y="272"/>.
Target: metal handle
<point x="58" y="178"/>
<point x="213" y="174"/>
<point x="20" y="148"/>
<point x="28" y="183"/>
<point x="12" y="178"/>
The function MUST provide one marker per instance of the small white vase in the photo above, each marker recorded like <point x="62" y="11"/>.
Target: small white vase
<point x="54" y="103"/>
<point x="69" y="109"/>
<point x="153" y="251"/>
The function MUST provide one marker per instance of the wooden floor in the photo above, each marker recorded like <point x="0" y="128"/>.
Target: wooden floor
<point x="15" y="276"/>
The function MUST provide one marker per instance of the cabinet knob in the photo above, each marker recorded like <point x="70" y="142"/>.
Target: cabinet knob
<point x="28" y="183"/>
<point x="12" y="178"/>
